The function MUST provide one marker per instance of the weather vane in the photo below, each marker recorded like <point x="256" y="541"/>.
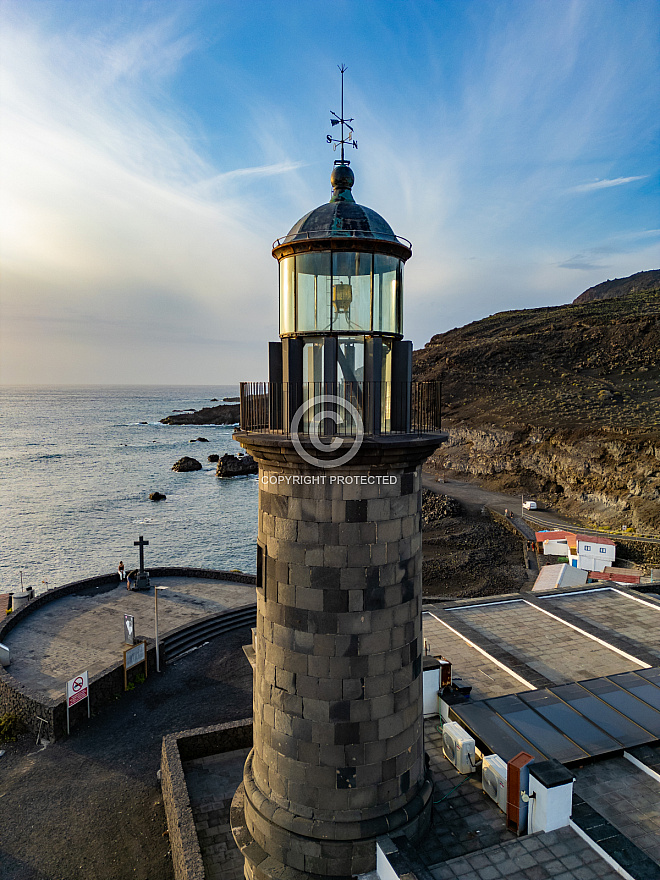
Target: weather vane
<point x="339" y="120"/>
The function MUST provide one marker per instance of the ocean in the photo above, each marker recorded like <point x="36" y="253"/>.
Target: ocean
<point x="77" y="465"/>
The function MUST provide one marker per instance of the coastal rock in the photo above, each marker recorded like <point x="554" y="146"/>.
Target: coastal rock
<point x="236" y="466"/>
<point x="199" y="440"/>
<point x="225" y="414"/>
<point x="187" y="464"/>
<point x="157" y="496"/>
<point x="213" y="457"/>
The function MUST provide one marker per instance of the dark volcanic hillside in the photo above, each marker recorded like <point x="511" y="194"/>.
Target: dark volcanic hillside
<point x="621" y="286"/>
<point x="561" y="402"/>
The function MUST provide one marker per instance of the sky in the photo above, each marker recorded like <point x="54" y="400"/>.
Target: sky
<point x="151" y="152"/>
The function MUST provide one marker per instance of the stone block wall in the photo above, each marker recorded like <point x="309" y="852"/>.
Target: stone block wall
<point x="338" y="756"/>
<point x="184" y="746"/>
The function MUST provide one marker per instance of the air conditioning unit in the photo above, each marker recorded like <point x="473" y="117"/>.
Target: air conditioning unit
<point x="458" y="747"/>
<point x="493" y="779"/>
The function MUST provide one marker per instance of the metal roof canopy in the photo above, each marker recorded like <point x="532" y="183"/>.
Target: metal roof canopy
<point x="571" y="722"/>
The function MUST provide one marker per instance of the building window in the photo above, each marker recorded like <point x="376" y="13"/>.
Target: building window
<point x="603" y="549"/>
<point x="587" y="547"/>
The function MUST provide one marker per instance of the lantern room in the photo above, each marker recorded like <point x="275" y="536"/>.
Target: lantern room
<point x="341" y="309"/>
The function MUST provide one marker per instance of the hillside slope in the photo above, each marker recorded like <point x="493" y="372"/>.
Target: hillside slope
<point x="561" y="402"/>
<point x="636" y="283"/>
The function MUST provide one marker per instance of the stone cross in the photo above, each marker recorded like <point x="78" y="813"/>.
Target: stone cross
<point x="141" y="544"/>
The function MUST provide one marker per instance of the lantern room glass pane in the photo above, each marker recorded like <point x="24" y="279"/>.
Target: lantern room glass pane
<point x="351" y="291"/>
<point x="350" y="382"/>
<point x="388" y="273"/>
<point x="287" y="296"/>
<point x="386" y="387"/>
<point x="314" y="293"/>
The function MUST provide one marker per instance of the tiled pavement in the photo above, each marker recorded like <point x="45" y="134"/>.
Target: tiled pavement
<point x="212" y="783"/>
<point x="550" y="647"/>
<point x="625" y="796"/>
<point x="469" y="666"/>
<point x="557" y="855"/>
<point x="616" y="612"/>
<point x="465" y="820"/>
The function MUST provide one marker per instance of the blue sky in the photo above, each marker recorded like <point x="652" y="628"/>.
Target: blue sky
<point x="152" y="151"/>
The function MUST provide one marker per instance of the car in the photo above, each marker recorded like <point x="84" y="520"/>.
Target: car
<point x="529" y="505"/>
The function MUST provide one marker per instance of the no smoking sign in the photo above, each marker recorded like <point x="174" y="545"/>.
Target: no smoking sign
<point x="77" y="689"/>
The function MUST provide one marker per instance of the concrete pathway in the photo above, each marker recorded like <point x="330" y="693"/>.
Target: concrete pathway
<point x="77" y="633"/>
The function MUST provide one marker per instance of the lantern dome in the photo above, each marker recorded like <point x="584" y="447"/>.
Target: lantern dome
<point x="342" y="217"/>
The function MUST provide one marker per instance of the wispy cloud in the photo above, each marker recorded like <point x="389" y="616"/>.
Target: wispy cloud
<point x="150" y="158"/>
<point x="606" y="184"/>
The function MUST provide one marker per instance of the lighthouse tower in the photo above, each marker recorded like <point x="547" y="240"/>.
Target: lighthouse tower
<point x="340" y="433"/>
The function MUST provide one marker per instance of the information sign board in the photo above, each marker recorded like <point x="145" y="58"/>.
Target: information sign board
<point x="135" y="655"/>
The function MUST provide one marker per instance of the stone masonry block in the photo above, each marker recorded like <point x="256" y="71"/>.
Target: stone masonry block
<point x="335" y="556"/>
<point x="286" y="529"/>
<point x="354" y="624"/>
<point x="375" y="642"/>
<point x="314" y="557"/>
<point x="352" y="578"/>
<point x="356" y="511"/>
<point x="325" y="578"/>
<point x="359" y="555"/>
<point x="349" y="534"/>
<point x="295" y="508"/>
<point x="310" y="599"/>
<point x="377" y="686"/>
<point x="388" y="530"/>
<point x="378" y="510"/>
<point x="299" y="575"/>
<point x="288" y="551"/>
<point x="328" y="533"/>
<point x="308" y="532"/>
<point x="319" y="667"/>
<point x="378" y="554"/>
<point x="315" y="710"/>
<point x="355" y="600"/>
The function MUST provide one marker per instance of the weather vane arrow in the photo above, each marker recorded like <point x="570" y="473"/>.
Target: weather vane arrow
<point x="347" y="138"/>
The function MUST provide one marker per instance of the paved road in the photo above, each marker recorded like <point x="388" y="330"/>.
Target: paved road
<point x="475" y="497"/>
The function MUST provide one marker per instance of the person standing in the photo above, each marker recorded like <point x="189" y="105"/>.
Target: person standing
<point x="120" y="570"/>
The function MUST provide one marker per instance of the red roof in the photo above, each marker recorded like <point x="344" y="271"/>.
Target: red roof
<point x="553" y="536"/>
<point x="567" y="536"/>
<point x="595" y="539"/>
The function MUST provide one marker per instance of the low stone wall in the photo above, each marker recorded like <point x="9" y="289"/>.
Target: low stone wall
<point x="17" y="698"/>
<point x="32" y="708"/>
<point x="184" y="746"/>
<point x="640" y="552"/>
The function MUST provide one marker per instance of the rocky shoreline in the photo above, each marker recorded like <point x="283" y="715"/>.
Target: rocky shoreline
<point x="224" y="414"/>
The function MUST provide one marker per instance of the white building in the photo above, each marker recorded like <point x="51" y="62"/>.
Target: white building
<point x="588" y="552"/>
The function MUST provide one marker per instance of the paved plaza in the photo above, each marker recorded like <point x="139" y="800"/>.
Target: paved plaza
<point x="549" y="646"/>
<point x="469" y="665"/>
<point x="75" y="633"/>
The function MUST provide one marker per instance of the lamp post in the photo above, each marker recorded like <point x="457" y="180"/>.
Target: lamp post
<point x="156" y="589"/>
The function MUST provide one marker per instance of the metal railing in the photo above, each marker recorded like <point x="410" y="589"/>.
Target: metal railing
<point x="341" y="409"/>
<point x="310" y="235"/>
